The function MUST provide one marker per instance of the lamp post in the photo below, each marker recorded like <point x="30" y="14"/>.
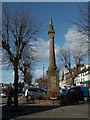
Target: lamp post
<point x="43" y="74"/>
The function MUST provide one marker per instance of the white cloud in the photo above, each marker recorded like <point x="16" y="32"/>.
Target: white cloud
<point x="75" y="40"/>
<point x="42" y="50"/>
<point x="57" y="50"/>
<point x="72" y="34"/>
<point x="39" y="73"/>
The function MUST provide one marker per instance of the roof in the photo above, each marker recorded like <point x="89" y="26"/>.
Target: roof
<point x="86" y="82"/>
<point x="85" y="70"/>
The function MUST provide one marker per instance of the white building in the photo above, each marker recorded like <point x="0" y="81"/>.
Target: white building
<point x="62" y="84"/>
<point x="83" y="76"/>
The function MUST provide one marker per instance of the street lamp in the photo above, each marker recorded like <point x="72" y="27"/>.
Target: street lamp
<point x="43" y="75"/>
<point x="43" y="71"/>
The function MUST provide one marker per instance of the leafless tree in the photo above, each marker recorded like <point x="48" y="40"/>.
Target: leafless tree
<point x="83" y="18"/>
<point x="83" y="36"/>
<point x="17" y="31"/>
<point x="78" y="55"/>
<point x="83" y="23"/>
<point x="26" y="63"/>
<point x="65" y="56"/>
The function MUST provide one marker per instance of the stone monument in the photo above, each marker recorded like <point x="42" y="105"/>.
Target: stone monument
<point x="53" y="71"/>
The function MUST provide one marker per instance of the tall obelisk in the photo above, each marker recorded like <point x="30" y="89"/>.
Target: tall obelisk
<point x="53" y="71"/>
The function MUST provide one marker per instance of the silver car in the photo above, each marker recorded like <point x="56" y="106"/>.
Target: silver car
<point x="35" y="92"/>
<point x="3" y="92"/>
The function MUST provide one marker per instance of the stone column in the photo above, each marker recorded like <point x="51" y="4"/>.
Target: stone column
<point x="53" y="71"/>
<point x="51" y="32"/>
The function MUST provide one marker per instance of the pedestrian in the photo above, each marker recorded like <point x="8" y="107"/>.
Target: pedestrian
<point x="26" y="94"/>
<point x="23" y="90"/>
<point x="11" y="94"/>
<point x="8" y="94"/>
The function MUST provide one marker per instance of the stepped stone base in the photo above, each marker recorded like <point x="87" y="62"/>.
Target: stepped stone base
<point x="45" y="101"/>
<point x="49" y="102"/>
<point x="53" y="81"/>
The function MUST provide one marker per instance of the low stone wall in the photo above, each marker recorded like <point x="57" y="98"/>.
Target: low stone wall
<point x="48" y="102"/>
<point x="45" y="100"/>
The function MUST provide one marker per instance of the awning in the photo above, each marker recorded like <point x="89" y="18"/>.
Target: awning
<point x="86" y="82"/>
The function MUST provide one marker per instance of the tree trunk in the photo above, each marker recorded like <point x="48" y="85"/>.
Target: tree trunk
<point x="16" y="87"/>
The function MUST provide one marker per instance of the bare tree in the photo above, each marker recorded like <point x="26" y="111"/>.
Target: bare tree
<point x="26" y="65"/>
<point x="83" y="18"/>
<point x="65" y="56"/>
<point x="17" y="31"/>
<point x="78" y="56"/>
<point x="29" y="58"/>
<point x="83" y="23"/>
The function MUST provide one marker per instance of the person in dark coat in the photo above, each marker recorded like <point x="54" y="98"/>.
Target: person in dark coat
<point x="8" y="94"/>
<point x="11" y="94"/>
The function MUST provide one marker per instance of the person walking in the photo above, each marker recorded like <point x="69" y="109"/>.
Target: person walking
<point x="11" y="94"/>
<point x="8" y="94"/>
<point x="26" y="94"/>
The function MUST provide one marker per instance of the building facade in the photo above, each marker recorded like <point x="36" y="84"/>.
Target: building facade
<point x="81" y="77"/>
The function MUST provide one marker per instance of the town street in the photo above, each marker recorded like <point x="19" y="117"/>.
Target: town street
<point x="80" y="110"/>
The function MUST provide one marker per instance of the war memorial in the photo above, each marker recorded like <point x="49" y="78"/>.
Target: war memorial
<point x="53" y="71"/>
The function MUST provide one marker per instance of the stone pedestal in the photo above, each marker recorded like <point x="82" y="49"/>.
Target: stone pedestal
<point x="53" y="82"/>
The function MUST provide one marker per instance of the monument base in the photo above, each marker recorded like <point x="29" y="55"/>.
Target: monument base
<point x="53" y="81"/>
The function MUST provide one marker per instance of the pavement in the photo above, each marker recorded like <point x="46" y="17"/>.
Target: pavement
<point x="38" y="110"/>
<point x="75" y="111"/>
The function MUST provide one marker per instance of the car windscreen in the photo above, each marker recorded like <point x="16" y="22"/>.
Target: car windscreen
<point x="63" y="90"/>
<point x="40" y="90"/>
<point x="32" y="89"/>
<point x="3" y="91"/>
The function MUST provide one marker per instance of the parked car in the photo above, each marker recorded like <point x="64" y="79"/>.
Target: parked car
<point x="20" y="91"/>
<point x="35" y="92"/>
<point x="63" y="92"/>
<point x="78" y="93"/>
<point x="85" y="91"/>
<point x="3" y="92"/>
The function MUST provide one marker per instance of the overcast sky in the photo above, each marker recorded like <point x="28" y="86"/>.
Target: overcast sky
<point x="62" y="14"/>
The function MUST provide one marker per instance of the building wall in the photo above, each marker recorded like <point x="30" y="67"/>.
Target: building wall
<point x="62" y="84"/>
<point x="42" y="82"/>
<point x="83" y="76"/>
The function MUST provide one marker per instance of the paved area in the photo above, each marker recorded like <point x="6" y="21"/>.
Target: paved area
<point x="37" y="110"/>
<point x="75" y="111"/>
